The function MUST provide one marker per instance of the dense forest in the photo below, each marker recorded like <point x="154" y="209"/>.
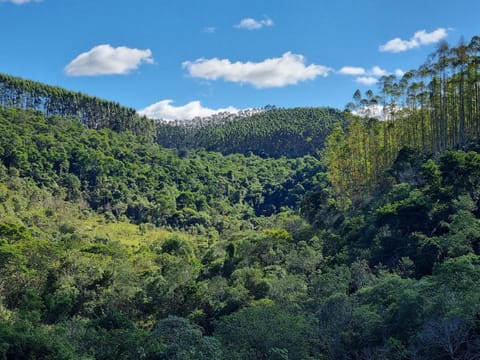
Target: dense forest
<point x="431" y="109"/>
<point x="269" y="132"/>
<point x="51" y="100"/>
<point x="113" y="247"/>
<point x="272" y="132"/>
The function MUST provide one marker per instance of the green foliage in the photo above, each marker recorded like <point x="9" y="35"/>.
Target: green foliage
<point x="50" y="100"/>
<point x="20" y="340"/>
<point x="122" y="175"/>
<point x="264" y="331"/>
<point x="184" y="341"/>
<point x="431" y="109"/>
<point x="272" y="132"/>
<point x="112" y="247"/>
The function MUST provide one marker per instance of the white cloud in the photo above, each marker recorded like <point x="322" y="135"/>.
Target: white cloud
<point x="425" y="38"/>
<point x="377" y="71"/>
<point x="20" y="2"/>
<point x="252" y="24"/>
<point x="164" y="110"/>
<point x="352" y="70"/>
<point x="369" y="77"/>
<point x="420" y="38"/>
<point x="376" y="111"/>
<point x="366" y="80"/>
<point x="107" y="60"/>
<point x="288" y="69"/>
<point x="356" y="71"/>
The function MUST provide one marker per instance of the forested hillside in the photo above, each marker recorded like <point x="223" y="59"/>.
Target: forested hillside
<point x="51" y="100"/>
<point x="123" y="176"/>
<point x="113" y="247"/>
<point x="270" y="133"/>
<point x="111" y="250"/>
<point x="430" y="109"/>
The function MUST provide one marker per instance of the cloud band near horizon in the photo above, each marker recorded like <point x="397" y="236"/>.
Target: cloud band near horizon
<point x="164" y="110"/>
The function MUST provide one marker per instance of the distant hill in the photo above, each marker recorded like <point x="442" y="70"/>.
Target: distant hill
<point x="271" y="133"/>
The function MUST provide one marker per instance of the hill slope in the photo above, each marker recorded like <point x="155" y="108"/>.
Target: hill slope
<point x="112" y="247"/>
<point x="52" y="100"/>
<point x="122" y="175"/>
<point x="271" y="133"/>
<point x="84" y="274"/>
<point x="275" y="132"/>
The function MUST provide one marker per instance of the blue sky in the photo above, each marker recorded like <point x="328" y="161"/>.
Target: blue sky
<point x="180" y="58"/>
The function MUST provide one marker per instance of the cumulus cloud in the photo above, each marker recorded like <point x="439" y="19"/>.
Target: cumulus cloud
<point x="352" y="70"/>
<point x="366" y="80"/>
<point x="356" y="71"/>
<point x="166" y="111"/>
<point x="378" y="111"/>
<point x="378" y="71"/>
<point x="420" y="38"/>
<point x="107" y="60"/>
<point x="20" y="2"/>
<point x="252" y="24"/>
<point x="289" y="69"/>
<point x="373" y="110"/>
<point x="367" y="77"/>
